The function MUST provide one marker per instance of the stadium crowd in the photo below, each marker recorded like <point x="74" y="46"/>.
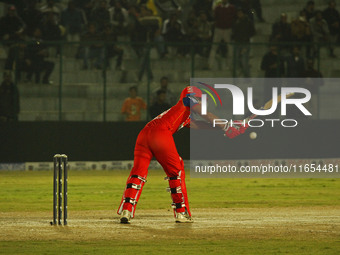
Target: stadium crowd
<point x="97" y="25"/>
<point x="159" y="21"/>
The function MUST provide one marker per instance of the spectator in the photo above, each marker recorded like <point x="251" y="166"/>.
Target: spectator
<point x="119" y="18"/>
<point x="93" y="48"/>
<point x="32" y="17"/>
<point x="137" y="32"/>
<point x="144" y="26"/>
<point x="100" y="15"/>
<point x="35" y="59"/>
<point x="149" y="5"/>
<point x="173" y="32"/>
<point x="257" y="7"/>
<point x="224" y="17"/>
<point x="17" y="57"/>
<point x="281" y="30"/>
<point x="86" y="6"/>
<point x="273" y="66"/>
<point x="50" y="7"/>
<point x="73" y="20"/>
<point x="320" y="31"/>
<point x="243" y="30"/>
<point x="309" y="10"/>
<point x="198" y="30"/>
<point x="164" y="86"/>
<point x="51" y="30"/>
<point x="150" y="31"/>
<point x="160" y="105"/>
<point x="204" y="5"/>
<point x="204" y="33"/>
<point x="272" y="63"/>
<point x="295" y="64"/>
<point x="319" y="28"/>
<point x="245" y="5"/>
<point x="313" y="81"/>
<point x="9" y="100"/>
<point x="301" y="31"/>
<point x="166" y="7"/>
<point x="133" y="105"/>
<point x="332" y="17"/>
<point x="111" y="49"/>
<point x="300" y="28"/>
<point x="11" y="25"/>
<point x="191" y="26"/>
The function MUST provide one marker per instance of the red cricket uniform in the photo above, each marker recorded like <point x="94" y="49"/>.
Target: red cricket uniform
<point x="155" y="140"/>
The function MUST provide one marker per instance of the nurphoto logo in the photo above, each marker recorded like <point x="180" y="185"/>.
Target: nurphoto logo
<point x="238" y="107"/>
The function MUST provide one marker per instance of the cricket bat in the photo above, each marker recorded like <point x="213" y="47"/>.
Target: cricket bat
<point x="268" y="105"/>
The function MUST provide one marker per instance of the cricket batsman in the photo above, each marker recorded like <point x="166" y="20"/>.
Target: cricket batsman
<point x="156" y="140"/>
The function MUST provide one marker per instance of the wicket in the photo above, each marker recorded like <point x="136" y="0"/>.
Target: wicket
<point x="59" y="171"/>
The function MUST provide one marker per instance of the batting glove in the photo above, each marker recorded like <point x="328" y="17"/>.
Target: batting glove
<point x="235" y="130"/>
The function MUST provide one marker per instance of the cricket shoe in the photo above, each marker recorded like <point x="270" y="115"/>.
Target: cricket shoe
<point x="125" y="217"/>
<point x="183" y="217"/>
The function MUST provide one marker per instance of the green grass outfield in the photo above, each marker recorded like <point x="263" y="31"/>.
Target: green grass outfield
<point x="190" y="247"/>
<point x="102" y="190"/>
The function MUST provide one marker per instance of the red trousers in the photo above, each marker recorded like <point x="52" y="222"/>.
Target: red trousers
<point x="156" y="141"/>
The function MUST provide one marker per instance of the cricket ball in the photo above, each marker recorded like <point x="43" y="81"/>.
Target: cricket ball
<point x="252" y="135"/>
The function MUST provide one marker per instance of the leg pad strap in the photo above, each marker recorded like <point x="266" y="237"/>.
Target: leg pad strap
<point x="133" y="186"/>
<point x="174" y="190"/>
<point x="172" y="178"/>
<point x="130" y="200"/>
<point x="177" y="205"/>
<point x="139" y="177"/>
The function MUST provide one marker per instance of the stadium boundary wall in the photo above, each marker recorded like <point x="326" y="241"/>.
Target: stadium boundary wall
<point x="110" y="141"/>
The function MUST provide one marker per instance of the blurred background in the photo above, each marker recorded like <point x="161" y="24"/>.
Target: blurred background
<point x="120" y="60"/>
<point x="124" y="61"/>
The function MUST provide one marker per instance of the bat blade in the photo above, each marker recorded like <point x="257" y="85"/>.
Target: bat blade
<point x="268" y="105"/>
<point x="270" y="102"/>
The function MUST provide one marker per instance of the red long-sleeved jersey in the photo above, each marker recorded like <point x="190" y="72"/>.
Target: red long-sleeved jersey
<point x="178" y="116"/>
<point x="174" y="119"/>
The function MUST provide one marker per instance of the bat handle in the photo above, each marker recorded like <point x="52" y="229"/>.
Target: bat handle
<point x="250" y="117"/>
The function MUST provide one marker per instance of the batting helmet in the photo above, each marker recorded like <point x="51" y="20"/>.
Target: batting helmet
<point x="191" y="91"/>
